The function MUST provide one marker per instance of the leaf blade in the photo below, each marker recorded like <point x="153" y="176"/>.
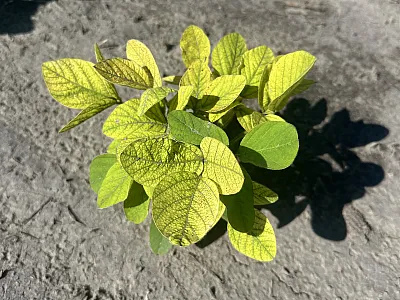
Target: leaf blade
<point x="98" y="170"/>
<point x="136" y="205"/>
<point x="151" y="97"/>
<point x="261" y="238"/>
<point x="158" y="243"/>
<point x="263" y="195"/>
<point x="185" y="207"/>
<point x="195" y="45"/>
<point x="227" y="54"/>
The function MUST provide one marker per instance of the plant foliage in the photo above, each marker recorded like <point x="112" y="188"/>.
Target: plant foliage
<point x="173" y="157"/>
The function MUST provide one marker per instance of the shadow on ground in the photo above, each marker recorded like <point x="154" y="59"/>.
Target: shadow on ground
<point x="16" y="15"/>
<point x="326" y="174"/>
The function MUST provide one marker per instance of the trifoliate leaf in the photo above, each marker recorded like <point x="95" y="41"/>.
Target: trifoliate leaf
<point x="76" y="84"/>
<point x="263" y="195"/>
<point x="254" y="63"/>
<point x="259" y="243"/>
<point x="213" y="117"/>
<point x="151" y="97"/>
<point x="198" y="75"/>
<point x="194" y="45"/>
<point x="227" y="55"/>
<point x="286" y="75"/>
<point x="115" y="187"/>
<point x="271" y="145"/>
<point x="304" y="85"/>
<point x="148" y="161"/>
<point x="97" y="52"/>
<point x="158" y="243"/>
<point x="141" y="55"/>
<point x="221" y="166"/>
<point x="222" y="92"/>
<point x="88" y="112"/>
<point x="124" y="122"/>
<point x="187" y="128"/>
<point x="172" y="79"/>
<point x="185" y="207"/>
<point x="249" y="118"/>
<point x="125" y="72"/>
<point x="99" y="168"/>
<point x="239" y="206"/>
<point x="182" y="99"/>
<point x="136" y="206"/>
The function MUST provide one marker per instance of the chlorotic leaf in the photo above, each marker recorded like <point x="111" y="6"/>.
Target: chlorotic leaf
<point x="226" y="119"/>
<point x="185" y="207"/>
<point x="158" y="243"/>
<point x="263" y="98"/>
<point x="221" y="211"/>
<point x="194" y="45"/>
<point x="99" y="168"/>
<point x="239" y="206"/>
<point x="286" y="75"/>
<point x="88" y="112"/>
<point x="115" y="187"/>
<point x="222" y="92"/>
<point x="148" y="161"/>
<point x="187" y="128"/>
<point x="140" y="54"/>
<point x="221" y="166"/>
<point x="249" y="118"/>
<point x="136" y="205"/>
<point x="75" y="83"/>
<point x="259" y="243"/>
<point x="173" y="79"/>
<point x="124" y="122"/>
<point x="182" y="99"/>
<point x="254" y="63"/>
<point x="227" y="55"/>
<point x="304" y="85"/>
<point x="125" y="72"/>
<point x="213" y="117"/>
<point x="271" y="145"/>
<point x="112" y="148"/>
<point x="263" y="195"/>
<point x="274" y="118"/>
<point x="151" y="97"/>
<point x="97" y="52"/>
<point x="198" y="75"/>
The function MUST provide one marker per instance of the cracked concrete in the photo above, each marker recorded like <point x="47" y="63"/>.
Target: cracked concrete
<point x="336" y="222"/>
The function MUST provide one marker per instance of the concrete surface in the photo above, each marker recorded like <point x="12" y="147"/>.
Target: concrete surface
<point x="337" y="222"/>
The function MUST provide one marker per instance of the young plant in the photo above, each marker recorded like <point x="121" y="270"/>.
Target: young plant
<point x="175" y="154"/>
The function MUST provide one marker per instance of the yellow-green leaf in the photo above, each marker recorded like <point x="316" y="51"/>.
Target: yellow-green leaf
<point x="227" y="55"/>
<point x="140" y="54"/>
<point x="125" y="72"/>
<point x="274" y="118"/>
<point x="98" y="170"/>
<point x="182" y="99"/>
<point x="136" y="205"/>
<point x="263" y="195"/>
<point x="173" y="79"/>
<point x="198" y="75"/>
<point x="148" y="161"/>
<point x="221" y="210"/>
<point x="185" y="207"/>
<point x="213" y="117"/>
<point x="194" y="45"/>
<point x="286" y="75"/>
<point x="254" y="63"/>
<point x="88" y="112"/>
<point x="152" y="96"/>
<point x="115" y="187"/>
<point x="221" y="166"/>
<point x="222" y="92"/>
<point x="249" y="118"/>
<point x="124" y="122"/>
<point x="259" y="243"/>
<point x="304" y="85"/>
<point x="97" y="52"/>
<point x="75" y="83"/>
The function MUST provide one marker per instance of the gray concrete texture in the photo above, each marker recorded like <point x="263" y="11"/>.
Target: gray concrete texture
<point x="337" y="221"/>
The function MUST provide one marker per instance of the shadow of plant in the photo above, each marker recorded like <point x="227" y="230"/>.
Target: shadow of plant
<point x="16" y="15"/>
<point x="326" y="174"/>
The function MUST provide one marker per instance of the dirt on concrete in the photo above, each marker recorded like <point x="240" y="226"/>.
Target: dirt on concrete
<point x="337" y="221"/>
